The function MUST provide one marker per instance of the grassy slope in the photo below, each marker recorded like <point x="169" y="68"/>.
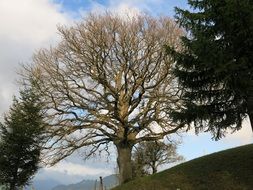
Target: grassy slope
<point x="226" y="170"/>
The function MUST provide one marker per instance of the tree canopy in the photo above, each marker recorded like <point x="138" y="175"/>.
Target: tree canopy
<point x="148" y="156"/>
<point x="20" y="138"/>
<point x="108" y="81"/>
<point x="215" y="68"/>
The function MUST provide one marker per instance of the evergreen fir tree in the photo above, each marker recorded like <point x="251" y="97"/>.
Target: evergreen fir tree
<point x="215" y="68"/>
<point x="20" y="138"/>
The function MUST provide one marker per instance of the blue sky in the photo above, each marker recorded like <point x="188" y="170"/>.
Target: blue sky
<point x="155" y="7"/>
<point x="29" y="25"/>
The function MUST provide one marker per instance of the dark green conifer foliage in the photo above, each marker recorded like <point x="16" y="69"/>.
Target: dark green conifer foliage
<point x="215" y="69"/>
<point x="20" y="138"/>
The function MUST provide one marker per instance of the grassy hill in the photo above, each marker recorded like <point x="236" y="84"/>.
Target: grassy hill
<point x="231" y="169"/>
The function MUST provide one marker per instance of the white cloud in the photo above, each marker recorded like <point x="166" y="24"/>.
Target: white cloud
<point x="25" y="26"/>
<point x="74" y="170"/>
<point x="155" y="7"/>
<point x="243" y="136"/>
<point x="77" y="169"/>
<point x="237" y="138"/>
<point x="126" y="9"/>
<point x="122" y="9"/>
<point x="30" y="21"/>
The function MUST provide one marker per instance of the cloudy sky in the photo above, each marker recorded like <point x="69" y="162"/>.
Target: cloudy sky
<point x="28" y="25"/>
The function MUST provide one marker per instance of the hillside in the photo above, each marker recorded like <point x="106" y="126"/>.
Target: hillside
<point x="231" y="169"/>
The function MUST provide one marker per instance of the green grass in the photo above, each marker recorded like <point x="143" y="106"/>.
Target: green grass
<point x="231" y="169"/>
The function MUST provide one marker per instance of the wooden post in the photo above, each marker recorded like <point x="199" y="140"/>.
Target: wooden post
<point x="101" y="183"/>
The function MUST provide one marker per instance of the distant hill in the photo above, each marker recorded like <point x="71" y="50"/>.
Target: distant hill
<point x="109" y="182"/>
<point x="43" y="184"/>
<point x="231" y="169"/>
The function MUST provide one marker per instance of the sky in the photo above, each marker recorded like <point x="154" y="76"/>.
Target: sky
<point x="28" y="25"/>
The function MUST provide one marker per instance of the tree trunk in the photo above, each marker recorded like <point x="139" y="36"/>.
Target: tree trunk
<point x="153" y="167"/>
<point x="154" y="170"/>
<point x="124" y="162"/>
<point x="251" y="118"/>
<point x="250" y="109"/>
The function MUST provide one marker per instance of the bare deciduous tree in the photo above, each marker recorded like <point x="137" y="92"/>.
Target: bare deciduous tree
<point x="108" y="80"/>
<point x="148" y="156"/>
